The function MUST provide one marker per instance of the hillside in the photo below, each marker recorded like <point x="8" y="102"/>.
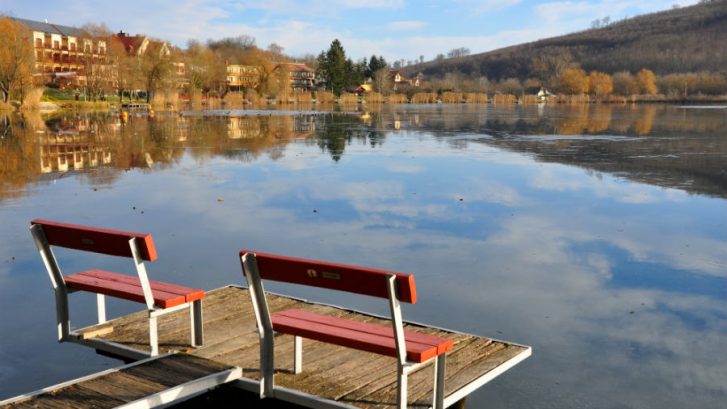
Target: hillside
<point x="688" y="39"/>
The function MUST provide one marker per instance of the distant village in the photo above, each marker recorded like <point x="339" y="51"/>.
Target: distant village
<point x="137" y="66"/>
<point x="69" y="65"/>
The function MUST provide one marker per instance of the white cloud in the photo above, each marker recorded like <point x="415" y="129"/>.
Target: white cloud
<point x="406" y="25"/>
<point x="485" y="6"/>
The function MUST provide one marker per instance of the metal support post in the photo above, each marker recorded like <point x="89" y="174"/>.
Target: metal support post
<point x="153" y="338"/>
<point x="401" y="386"/>
<point x="101" y="308"/>
<point x="264" y="324"/>
<point x="438" y="389"/>
<point x="195" y="316"/>
<point x="298" y="352"/>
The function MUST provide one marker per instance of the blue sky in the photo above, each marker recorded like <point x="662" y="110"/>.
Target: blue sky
<point x="397" y="29"/>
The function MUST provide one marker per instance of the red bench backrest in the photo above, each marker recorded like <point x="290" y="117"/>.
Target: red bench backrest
<point x="342" y="277"/>
<point x="104" y="241"/>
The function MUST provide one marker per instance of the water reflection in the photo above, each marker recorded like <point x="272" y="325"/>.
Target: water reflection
<point x="523" y="223"/>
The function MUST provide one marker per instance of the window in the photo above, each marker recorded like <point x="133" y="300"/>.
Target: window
<point x="39" y="43"/>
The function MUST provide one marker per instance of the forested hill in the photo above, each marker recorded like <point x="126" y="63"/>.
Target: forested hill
<point x="687" y="39"/>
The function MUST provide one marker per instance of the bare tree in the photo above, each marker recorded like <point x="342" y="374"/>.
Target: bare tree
<point x="382" y="81"/>
<point x="458" y="52"/>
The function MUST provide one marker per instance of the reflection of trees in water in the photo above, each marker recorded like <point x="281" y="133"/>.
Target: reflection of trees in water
<point x="689" y="153"/>
<point x="98" y="147"/>
<point x="17" y="166"/>
<point x="665" y="145"/>
<point x="337" y="131"/>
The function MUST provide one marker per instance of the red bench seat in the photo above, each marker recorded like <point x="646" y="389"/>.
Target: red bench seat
<point x="358" y="335"/>
<point x="129" y="288"/>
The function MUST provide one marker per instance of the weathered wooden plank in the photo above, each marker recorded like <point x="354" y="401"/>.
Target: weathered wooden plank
<point x="160" y="372"/>
<point x="123" y="387"/>
<point x="76" y="396"/>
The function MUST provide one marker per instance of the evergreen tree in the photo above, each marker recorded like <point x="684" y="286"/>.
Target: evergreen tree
<point x="335" y="67"/>
<point x="321" y="70"/>
<point x="375" y="64"/>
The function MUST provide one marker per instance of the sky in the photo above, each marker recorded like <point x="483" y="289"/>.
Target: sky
<point x="396" y="29"/>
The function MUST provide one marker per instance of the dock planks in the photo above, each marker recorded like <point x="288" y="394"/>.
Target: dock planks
<point x="185" y="375"/>
<point x="334" y="373"/>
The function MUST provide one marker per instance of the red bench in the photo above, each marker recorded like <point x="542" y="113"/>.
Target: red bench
<point x="412" y="349"/>
<point x="159" y="297"/>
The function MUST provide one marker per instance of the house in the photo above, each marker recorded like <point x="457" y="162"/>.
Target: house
<point x="399" y="80"/>
<point x="66" y="55"/>
<point x="302" y="78"/>
<point x="241" y="77"/>
<point x="138" y="45"/>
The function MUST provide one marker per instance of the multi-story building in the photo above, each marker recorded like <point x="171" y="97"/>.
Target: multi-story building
<point x="302" y="77"/>
<point x="64" y="54"/>
<point x="241" y="77"/>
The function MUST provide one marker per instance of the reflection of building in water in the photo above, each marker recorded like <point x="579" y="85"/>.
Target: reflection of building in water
<point x="248" y="127"/>
<point x="70" y="151"/>
<point x="182" y="129"/>
<point x="243" y="127"/>
<point x="304" y="126"/>
<point x="73" y="145"/>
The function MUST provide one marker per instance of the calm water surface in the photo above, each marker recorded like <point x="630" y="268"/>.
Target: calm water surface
<point x="598" y="235"/>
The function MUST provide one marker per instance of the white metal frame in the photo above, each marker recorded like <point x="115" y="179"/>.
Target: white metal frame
<point x="266" y="333"/>
<point x="65" y="334"/>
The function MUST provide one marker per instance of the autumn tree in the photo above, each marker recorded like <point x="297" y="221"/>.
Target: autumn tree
<point x="510" y="86"/>
<point x="125" y="75"/>
<point x="267" y="82"/>
<point x="549" y="67"/>
<point x="205" y="69"/>
<point x="573" y="81"/>
<point x="16" y="59"/>
<point x="646" y="81"/>
<point x="155" y="68"/>
<point x="624" y="84"/>
<point x="599" y="84"/>
<point x="232" y="48"/>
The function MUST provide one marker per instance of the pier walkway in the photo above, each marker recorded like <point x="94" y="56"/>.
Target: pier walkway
<point x="151" y="382"/>
<point x="333" y="376"/>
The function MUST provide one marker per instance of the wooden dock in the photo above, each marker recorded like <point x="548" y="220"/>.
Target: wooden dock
<point x="151" y="382"/>
<point x="332" y="376"/>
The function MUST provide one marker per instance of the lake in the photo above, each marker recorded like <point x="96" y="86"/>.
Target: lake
<point x="596" y="234"/>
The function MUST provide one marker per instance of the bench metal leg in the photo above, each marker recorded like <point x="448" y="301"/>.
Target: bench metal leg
<point x="402" y="386"/>
<point x="195" y="316"/>
<point x="298" y="352"/>
<point x="438" y="391"/>
<point x="153" y="339"/>
<point x="267" y="365"/>
<point x="63" y="319"/>
<point x="101" y="308"/>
